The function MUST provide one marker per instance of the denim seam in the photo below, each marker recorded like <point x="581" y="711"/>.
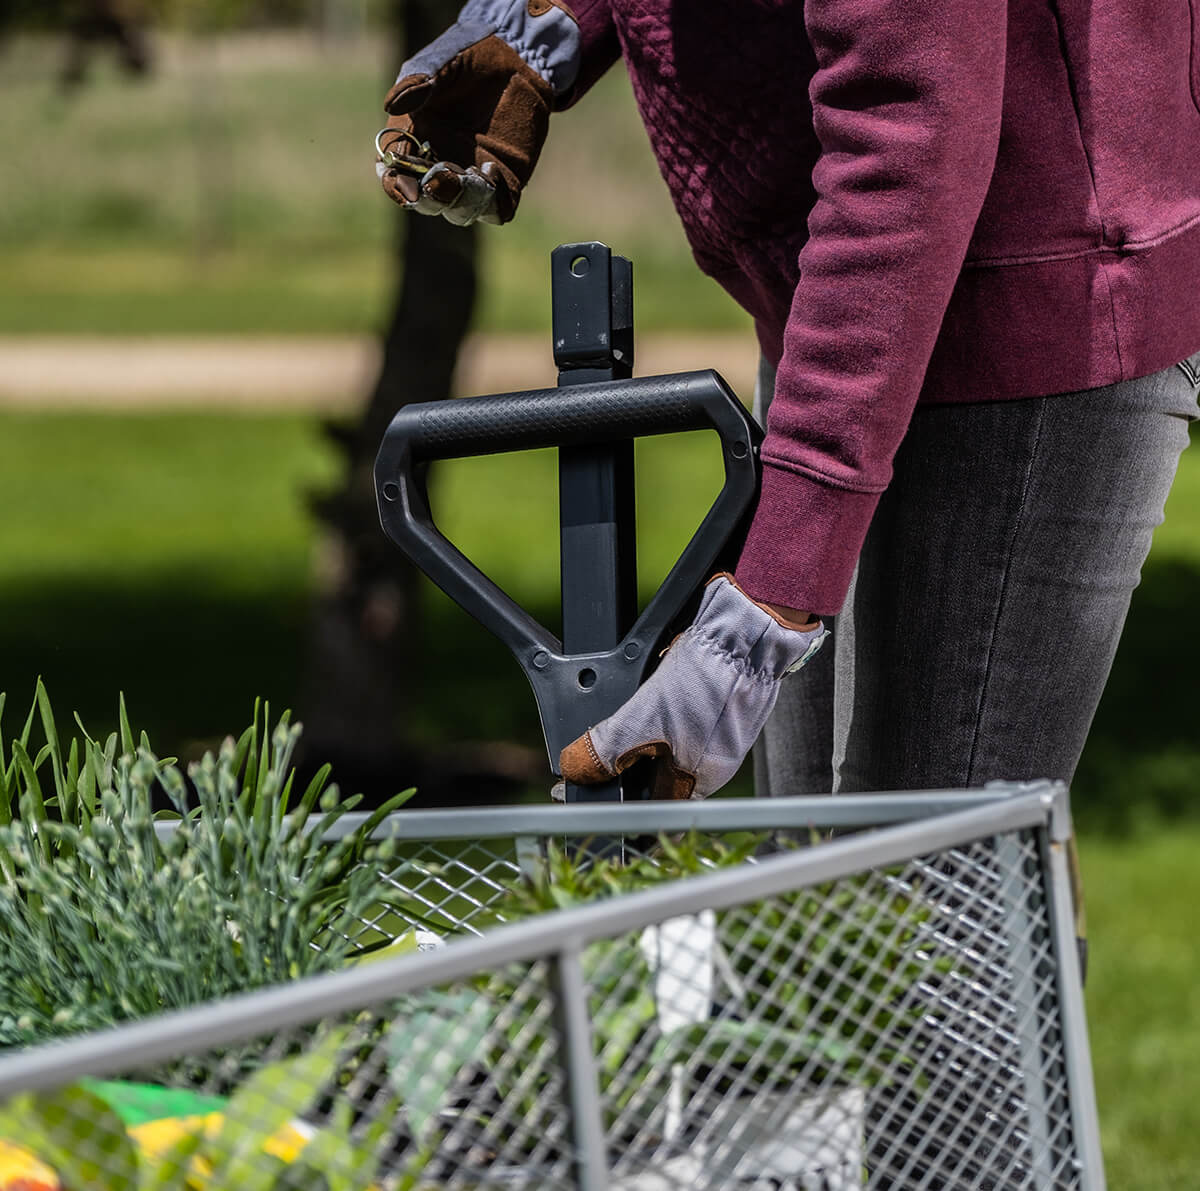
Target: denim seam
<point x="1002" y="598"/>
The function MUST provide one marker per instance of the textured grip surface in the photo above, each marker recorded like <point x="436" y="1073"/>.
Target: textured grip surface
<point x="564" y="416"/>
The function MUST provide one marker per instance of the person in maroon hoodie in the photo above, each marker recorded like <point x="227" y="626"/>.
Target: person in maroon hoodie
<point x="969" y="235"/>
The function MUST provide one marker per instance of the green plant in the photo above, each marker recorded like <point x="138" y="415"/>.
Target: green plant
<point x="824" y="974"/>
<point x="573" y="876"/>
<point x="108" y="913"/>
<point x="618" y="976"/>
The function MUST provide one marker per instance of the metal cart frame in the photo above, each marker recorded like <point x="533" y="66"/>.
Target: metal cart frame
<point x="1020" y="833"/>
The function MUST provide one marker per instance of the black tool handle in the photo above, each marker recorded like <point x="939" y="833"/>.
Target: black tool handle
<point x="587" y="413"/>
<point x="574" y="690"/>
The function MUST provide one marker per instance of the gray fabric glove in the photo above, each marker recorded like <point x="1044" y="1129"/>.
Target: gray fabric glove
<point x="700" y="712"/>
<point x="470" y="111"/>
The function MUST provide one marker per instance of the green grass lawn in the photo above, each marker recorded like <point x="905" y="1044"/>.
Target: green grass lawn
<point x="169" y="556"/>
<point x="234" y="192"/>
<point x="1142" y="763"/>
<point x="1143" y="1001"/>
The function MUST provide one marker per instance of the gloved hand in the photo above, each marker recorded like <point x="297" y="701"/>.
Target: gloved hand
<point x="471" y="110"/>
<point x="699" y="713"/>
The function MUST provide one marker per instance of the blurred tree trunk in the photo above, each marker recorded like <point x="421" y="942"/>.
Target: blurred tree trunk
<point x="362" y="673"/>
<point x="94" y="23"/>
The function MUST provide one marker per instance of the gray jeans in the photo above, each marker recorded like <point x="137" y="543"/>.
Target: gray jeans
<point x="985" y="611"/>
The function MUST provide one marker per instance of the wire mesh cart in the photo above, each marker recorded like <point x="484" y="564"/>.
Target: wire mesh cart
<point x="885" y="992"/>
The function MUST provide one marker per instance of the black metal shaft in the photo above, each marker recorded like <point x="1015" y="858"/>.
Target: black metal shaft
<point x="592" y="297"/>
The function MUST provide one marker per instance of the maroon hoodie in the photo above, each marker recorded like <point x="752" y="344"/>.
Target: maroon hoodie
<point x="934" y="200"/>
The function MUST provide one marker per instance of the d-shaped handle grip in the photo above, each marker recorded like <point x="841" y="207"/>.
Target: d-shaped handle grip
<point x="562" y="417"/>
<point x="572" y="691"/>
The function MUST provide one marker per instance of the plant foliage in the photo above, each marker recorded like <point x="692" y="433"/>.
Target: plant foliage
<point x="824" y="974"/>
<point x="109" y="913"/>
<point x="572" y="876"/>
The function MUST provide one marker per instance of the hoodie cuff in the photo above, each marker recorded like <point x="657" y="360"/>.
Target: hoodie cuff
<point x="599" y="48"/>
<point x="804" y="541"/>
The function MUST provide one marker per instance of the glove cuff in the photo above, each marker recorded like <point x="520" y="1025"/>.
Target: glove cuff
<point x="543" y="33"/>
<point x="747" y="636"/>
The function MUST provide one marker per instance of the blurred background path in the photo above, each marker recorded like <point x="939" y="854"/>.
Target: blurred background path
<point x="324" y="374"/>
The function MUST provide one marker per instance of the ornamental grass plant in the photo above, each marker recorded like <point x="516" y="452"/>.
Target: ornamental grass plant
<point x="111" y="911"/>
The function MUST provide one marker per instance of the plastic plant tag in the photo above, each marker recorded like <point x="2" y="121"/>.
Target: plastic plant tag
<point x="680" y="953"/>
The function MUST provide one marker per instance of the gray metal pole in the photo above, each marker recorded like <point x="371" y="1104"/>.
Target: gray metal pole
<point x="1081" y="1091"/>
<point x="1028" y="1008"/>
<point x="579" y="1070"/>
<point x="717" y="814"/>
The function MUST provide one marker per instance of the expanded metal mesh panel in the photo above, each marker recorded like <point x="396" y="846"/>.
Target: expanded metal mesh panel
<point x="899" y="1025"/>
<point x="450" y="888"/>
<point x="445" y="888"/>
<point x="891" y="1027"/>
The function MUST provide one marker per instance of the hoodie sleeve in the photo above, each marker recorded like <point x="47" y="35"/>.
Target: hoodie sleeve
<point x="906" y="106"/>
<point x="599" y="47"/>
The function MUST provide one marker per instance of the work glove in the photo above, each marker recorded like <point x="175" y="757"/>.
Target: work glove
<point x="471" y="110"/>
<point x="699" y="713"/>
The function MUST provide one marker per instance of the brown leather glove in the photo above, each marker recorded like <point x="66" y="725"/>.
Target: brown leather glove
<point x="470" y="112"/>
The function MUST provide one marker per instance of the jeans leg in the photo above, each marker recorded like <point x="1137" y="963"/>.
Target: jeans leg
<point x="794" y="754"/>
<point x="975" y="644"/>
<point x="995" y="581"/>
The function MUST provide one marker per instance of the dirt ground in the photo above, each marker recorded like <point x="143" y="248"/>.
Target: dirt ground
<point x="323" y="374"/>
